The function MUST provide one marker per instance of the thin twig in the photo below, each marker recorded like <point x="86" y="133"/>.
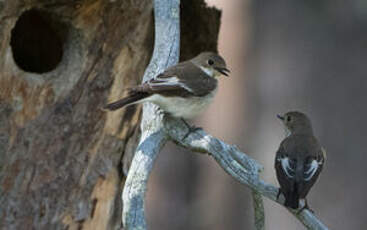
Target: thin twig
<point x="258" y="210"/>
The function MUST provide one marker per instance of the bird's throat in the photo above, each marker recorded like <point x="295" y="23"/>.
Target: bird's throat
<point x="287" y="132"/>
<point x="209" y="71"/>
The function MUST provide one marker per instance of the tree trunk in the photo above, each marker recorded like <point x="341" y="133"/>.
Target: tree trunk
<point x="61" y="156"/>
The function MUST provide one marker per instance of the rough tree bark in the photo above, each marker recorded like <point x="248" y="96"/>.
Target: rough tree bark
<point x="60" y="61"/>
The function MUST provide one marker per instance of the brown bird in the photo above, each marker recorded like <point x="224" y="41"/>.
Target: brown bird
<point x="299" y="159"/>
<point x="183" y="90"/>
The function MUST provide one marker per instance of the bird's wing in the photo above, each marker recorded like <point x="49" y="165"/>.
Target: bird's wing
<point x="306" y="162"/>
<point x="288" y="166"/>
<point x="310" y="170"/>
<point x="170" y="84"/>
<point x="184" y="80"/>
<point x="284" y="164"/>
<point x="314" y="165"/>
<point x="285" y="171"/>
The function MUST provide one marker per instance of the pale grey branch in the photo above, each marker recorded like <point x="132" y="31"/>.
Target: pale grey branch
<point x="153" y="137"/>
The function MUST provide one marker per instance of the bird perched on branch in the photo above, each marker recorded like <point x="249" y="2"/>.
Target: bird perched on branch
<point x="183" y="90"/>
<point x="299" y="159"/>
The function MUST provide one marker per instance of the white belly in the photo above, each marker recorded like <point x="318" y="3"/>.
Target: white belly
<point x="182" y="107"/>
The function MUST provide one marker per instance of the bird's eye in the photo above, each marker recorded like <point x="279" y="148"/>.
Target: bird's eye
<point x="288" y="119"/>
<point x="210" y="62"/>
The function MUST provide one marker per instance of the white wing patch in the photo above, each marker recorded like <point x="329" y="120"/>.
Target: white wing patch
<point x="286" y="167"/>
<point x="170" y="81"/>
<point x="310" y="171"/>
<point x="313" y="167"/>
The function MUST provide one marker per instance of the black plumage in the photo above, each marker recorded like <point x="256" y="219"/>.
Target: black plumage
<point x="299" y="159"/>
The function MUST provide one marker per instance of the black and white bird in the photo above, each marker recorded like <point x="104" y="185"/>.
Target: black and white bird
<point x="299" y="159"/>
<point x="183" y="90"/>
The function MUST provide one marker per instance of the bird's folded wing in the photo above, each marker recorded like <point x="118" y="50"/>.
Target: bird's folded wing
<point x="169" y="84"/>
<point x="184" y="80"/>
<point x="313" y="165"/>
<point x="310" y="170"/>
<point x="287" y="166"/>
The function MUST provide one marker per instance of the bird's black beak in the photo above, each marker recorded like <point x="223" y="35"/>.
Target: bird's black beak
<point x="280" y="117"/>
<point x="223" y="70"/>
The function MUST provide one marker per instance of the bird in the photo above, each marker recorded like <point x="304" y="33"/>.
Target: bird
<point x="183" y="90"/>
<point x="299" y="159"/>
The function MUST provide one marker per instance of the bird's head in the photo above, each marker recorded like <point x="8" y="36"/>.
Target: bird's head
<point x="211" y="63"/>
<point x="296" y="122"/>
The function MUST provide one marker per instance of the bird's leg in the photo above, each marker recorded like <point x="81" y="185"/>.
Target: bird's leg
<point x="305" y="207"/>
<point x="278" y="194"/>
<point x="190" y="128"/>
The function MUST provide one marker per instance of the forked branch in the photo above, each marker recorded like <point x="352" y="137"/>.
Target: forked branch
<point x="237" y="164"/>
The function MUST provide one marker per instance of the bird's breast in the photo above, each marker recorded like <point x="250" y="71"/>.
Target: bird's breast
<point x="183" y="107"/>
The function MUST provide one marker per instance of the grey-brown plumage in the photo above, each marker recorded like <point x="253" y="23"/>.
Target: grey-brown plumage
<point x="182" y="90"/>
<point x="299" y="159"/>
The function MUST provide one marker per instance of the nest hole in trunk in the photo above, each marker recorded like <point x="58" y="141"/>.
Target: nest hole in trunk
<point x="37" y="41"/>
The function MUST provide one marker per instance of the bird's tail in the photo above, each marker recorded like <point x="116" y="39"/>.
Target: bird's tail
<point x="292" y="198"/>
<point x="132" y="98"/>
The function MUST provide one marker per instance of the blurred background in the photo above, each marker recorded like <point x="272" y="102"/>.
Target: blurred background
<point x="302" y="55"/>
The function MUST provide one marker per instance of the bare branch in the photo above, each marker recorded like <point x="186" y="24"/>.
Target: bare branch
<point x="235" y="163"/>
<point x="153" y="137"/>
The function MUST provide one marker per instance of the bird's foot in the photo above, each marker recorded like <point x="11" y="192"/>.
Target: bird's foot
<point x="305" y="207"/>
<point x="278" y="194"/>
<point x="191" y="129"/>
